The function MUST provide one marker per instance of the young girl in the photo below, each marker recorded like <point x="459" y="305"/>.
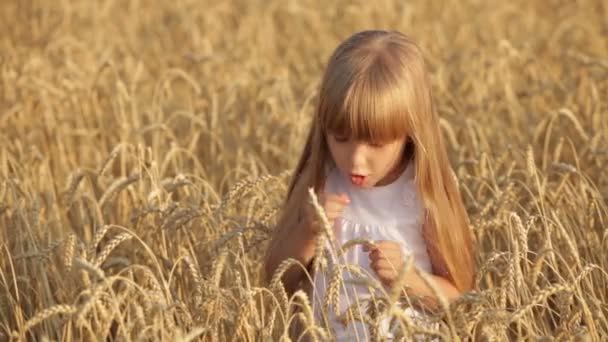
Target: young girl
<point x="377" y="161"/>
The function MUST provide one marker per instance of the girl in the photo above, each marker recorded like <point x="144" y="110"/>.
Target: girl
<point x="376" y="158"/>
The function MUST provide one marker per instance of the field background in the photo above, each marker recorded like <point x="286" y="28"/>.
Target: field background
<point x="146" y="146"/>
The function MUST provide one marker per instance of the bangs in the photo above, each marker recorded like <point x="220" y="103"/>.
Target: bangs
<point x="373" y="107"/>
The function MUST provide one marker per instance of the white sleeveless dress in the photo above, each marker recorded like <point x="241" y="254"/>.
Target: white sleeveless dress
<point x="391" y="212"/>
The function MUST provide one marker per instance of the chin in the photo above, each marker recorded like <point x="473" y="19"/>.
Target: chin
<point x="367" y="185"/>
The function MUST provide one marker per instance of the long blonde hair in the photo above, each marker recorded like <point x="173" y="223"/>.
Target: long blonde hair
<point x="376" y="88"/>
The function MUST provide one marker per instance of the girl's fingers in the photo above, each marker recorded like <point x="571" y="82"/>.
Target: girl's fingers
<point x="387" y="245"/>
<point x="383" y="245"/>
<point x="334" y="206"/>
<point x="386" y="265"/>
<point x="330" y="202"/>
<point x="378" y="255"/>
<point x="382" y="250"/>
<point x="332" y="210"/>
<point x="387" y="277"/>
<point x="333" y="198"/>
<point x="344" y="198"/>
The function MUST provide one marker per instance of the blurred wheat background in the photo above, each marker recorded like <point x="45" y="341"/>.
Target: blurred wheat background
<point x="145" y="148"/>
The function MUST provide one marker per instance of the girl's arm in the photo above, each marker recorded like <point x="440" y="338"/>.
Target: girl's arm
<point x="418" y="287"/>
<point x="440" y="277"/>
<point x="297" y="243"/>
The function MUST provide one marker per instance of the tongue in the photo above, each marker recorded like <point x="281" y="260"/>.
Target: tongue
<point x="357" y="180"/>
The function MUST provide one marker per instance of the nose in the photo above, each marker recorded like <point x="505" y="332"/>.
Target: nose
<point x="359" y="156"/>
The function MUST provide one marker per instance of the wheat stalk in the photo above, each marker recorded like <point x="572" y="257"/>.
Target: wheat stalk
<point x="110" y="247"/>
<point x="91" y="268"/>
<point x="47" y="313"/>
<point x="68" y="254"/>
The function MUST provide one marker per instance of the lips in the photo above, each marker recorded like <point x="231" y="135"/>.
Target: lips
<point x="358" y="180"/>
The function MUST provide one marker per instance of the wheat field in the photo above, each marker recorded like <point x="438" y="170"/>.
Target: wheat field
<point x="145" y="149"/>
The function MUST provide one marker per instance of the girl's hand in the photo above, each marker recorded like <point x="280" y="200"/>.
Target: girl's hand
<point x="333" y="204"/>
<point x="386" y="259"/>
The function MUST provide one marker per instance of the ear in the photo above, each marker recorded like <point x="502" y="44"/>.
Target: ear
<point x="430" y="233"/>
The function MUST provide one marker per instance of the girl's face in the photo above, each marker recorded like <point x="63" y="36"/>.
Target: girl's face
<point x="367" y="164"/>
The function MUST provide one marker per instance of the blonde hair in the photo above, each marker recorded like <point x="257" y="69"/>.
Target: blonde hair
<point x="376" y="88"/>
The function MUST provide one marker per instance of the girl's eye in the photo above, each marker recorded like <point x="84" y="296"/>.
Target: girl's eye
<point x="339" y="138"/>
<point x="376" y="144"/>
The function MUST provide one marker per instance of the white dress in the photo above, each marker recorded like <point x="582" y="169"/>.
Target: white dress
<point x="391" y="212"/>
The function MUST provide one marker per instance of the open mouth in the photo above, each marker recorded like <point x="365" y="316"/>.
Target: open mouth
<point x="358" y="180"/>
